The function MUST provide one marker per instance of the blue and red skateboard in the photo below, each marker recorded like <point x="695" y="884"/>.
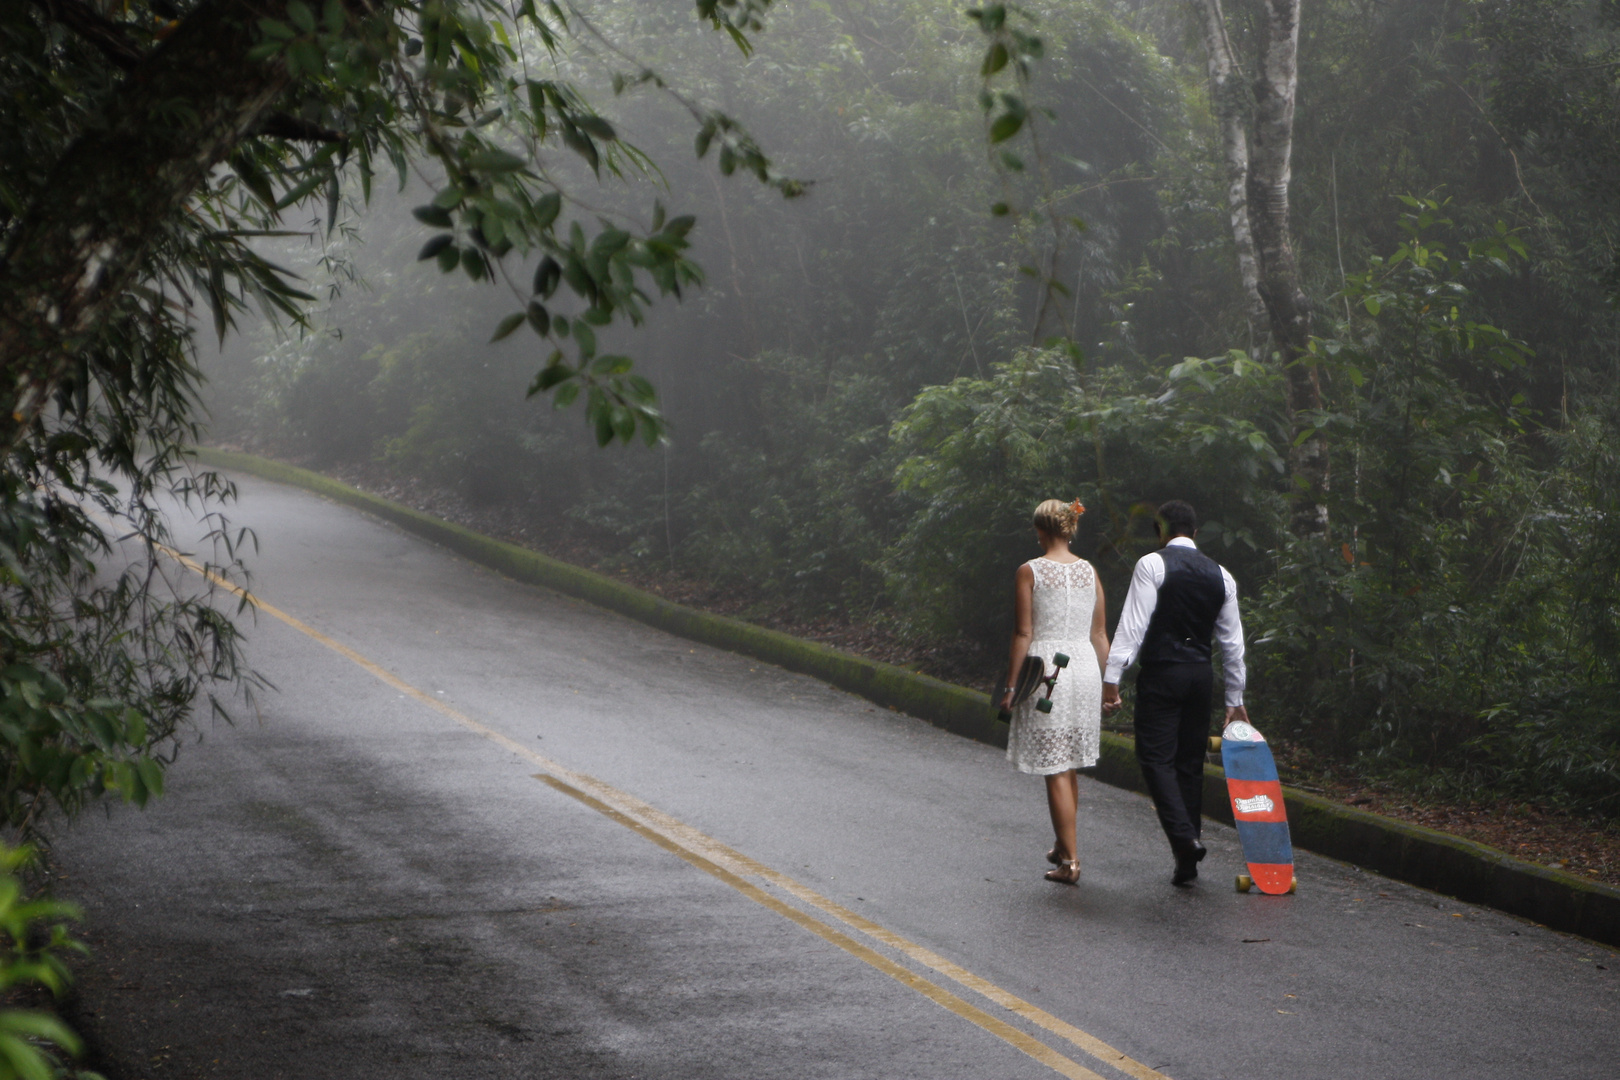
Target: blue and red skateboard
<point x="1258" y="810"/>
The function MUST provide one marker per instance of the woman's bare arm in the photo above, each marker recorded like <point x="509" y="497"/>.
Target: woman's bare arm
<point x="1099" y="625"/>
<point x="1023" y="628"/>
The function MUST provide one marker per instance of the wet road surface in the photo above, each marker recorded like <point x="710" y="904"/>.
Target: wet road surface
<point x="504" y="834"/>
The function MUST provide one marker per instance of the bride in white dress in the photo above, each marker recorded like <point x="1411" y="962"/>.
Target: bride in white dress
<point x="1059" y="609"/>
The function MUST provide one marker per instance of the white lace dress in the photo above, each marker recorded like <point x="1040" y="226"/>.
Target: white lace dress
<point x="1067" y="737"/>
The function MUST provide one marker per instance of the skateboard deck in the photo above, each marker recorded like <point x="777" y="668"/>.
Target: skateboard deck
<point x="1258" y="810"/>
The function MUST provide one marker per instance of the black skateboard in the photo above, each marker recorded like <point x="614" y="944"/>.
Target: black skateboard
<point x="1031" y="675"/>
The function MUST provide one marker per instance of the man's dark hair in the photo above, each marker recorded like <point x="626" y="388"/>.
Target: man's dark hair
<point x="1177" y="518"/>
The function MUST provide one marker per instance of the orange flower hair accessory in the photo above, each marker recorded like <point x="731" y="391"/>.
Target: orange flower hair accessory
<point x="1078" y="508"/>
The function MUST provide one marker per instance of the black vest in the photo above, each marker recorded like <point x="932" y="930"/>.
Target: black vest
<point x="1190" y="600"/>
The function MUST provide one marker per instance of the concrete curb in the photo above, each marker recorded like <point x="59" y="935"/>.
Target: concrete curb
<point x="1420" y="856"/>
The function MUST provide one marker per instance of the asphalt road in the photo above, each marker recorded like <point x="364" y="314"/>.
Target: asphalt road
<point x="723" y="870"/>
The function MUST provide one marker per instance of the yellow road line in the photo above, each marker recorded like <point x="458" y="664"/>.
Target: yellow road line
<point x="733" y="867"/>
<point x="748" y="867"/>
<point x="945" y="999"/>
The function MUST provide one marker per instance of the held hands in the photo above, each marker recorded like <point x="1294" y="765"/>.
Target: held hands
<point x="1111" y="703"/>
<point x="1233" y="713"/>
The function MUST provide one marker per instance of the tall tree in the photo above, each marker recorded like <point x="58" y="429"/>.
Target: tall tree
<point x="1258" y="174"/>
<point x="1231" y="103"/>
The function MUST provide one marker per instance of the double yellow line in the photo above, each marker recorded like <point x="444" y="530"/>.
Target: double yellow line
<point x="760" y="883"/>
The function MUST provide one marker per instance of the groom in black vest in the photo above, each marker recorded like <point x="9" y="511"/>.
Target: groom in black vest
<point x="1180" y="601"/>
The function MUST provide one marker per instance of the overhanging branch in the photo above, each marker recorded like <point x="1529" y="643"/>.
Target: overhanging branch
<point x="112" y="39"/>
<point x="77" y="248"/>
<point x="283" y="126"/>
<point x="109" y="37"/>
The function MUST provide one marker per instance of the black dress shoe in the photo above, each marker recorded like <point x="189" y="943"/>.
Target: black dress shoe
<point x="1187" y="860"/>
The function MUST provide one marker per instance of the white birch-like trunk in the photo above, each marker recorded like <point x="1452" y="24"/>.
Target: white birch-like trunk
<point x="1258" y="171"/>
<point x="1270" y="170"/>
<point x="1229" y="104"/>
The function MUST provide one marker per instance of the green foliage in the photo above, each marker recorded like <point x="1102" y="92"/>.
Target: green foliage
<point x="1005" y="113"/>
<point x="979" y="453"/>
<point x="1444" y="634"/>
<point x="1441" y="635"/>
<point x="103" y="653"/>
<point x="1427" y="428"/>
<point x="822" y="319"/>
<point x="33" y="937"/>
<point x="452" y="83"/>
<point x="800" y="510"/>
<point x="864" y="402"/>
<point x="106" y="645"/>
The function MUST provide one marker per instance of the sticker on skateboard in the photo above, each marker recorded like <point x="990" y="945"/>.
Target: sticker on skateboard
<point x="1031" y="675"/>
<point x="1258" y="810"/>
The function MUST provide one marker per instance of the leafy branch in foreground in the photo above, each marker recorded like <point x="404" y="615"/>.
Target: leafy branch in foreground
<point x="33" y="935"/>
<point x="1008" y="59"/>
<point x="461" y="75"/>
<point x="147" y="151"/>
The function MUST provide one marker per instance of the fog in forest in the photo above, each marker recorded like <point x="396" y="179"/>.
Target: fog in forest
<point x="870" y="391"/>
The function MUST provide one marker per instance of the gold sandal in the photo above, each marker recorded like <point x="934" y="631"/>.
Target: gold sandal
<point x="1067" y="872"/>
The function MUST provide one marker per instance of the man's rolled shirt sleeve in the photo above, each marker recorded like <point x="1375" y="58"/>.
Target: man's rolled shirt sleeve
<point x="1140" y="601"/>
<point x="1229" y="634"/>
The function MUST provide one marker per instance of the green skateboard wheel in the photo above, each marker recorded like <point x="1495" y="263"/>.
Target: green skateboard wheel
<point x="1293" y="886"/>
<point x="1043" y="705"/>
<point x="1061" y="659"/>
<point x="1244" y="883"/>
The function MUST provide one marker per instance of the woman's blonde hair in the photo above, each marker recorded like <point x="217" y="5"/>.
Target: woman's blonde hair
<point x="1054" y="517"/>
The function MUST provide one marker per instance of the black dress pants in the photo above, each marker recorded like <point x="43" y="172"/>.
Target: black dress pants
<point x="1172" y="732"/>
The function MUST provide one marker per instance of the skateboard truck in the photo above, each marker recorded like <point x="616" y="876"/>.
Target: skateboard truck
<point x="1245" y="883"/>
<point x="1059" y="661"/>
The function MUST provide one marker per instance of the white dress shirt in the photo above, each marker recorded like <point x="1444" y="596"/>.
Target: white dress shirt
<point x="1140" y="603"/>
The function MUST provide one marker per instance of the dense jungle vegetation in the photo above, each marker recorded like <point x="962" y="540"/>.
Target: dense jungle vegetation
<point x="869" y="392"/>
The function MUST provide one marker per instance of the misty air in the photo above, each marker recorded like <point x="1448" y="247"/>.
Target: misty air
<point x="848" y="538"/>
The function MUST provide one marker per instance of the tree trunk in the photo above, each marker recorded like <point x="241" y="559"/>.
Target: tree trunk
<point x="1230" y="105"/>
<point x="1269" y="173"/>
<point x="1258" y="175"/>
<point x="81" y="244"/>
